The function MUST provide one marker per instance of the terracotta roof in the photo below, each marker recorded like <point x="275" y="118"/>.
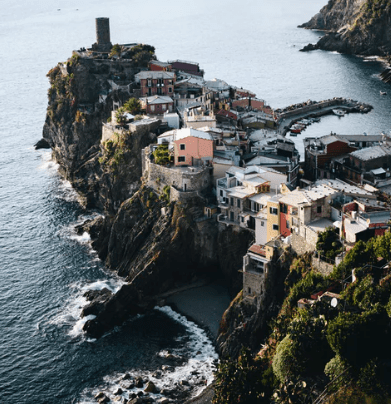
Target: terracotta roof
<point x="257" y="249"/>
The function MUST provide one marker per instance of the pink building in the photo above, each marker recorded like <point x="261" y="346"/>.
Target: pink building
<point x="192" y="147"/>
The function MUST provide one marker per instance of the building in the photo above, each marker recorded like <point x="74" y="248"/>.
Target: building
<point x="157" y="104"/>
<point x="157" y="65"/>
<point x="187" y="67"/>
<point x="243" y="192"/>
<point x="156" y="82"/>
<point x="196" y="118"/>
<point x="193" y="148"/>
<point x="370" y="165"/>
<point x="319" y="153"/>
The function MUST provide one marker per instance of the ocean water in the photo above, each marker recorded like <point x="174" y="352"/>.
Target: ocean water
<point x="44" y="267"/>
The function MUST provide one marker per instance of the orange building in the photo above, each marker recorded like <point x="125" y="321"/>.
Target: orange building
<point x="192" y="147"/>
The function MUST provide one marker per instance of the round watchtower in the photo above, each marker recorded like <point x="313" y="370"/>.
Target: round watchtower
<point x="103" y="33"/>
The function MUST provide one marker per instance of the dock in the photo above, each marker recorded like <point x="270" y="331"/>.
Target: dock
<point x="286" y="117"/>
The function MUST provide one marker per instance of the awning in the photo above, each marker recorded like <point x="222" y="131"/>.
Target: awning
<point x="379" y="171"/>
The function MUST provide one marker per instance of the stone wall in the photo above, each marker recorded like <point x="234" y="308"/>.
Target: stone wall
<point x="176" y="195"/>
<point x="184" y="184"/>
<point x="300" y="245"/>
<point x="311" y="108"/>
<point x="323" y="267"/>
<point x="253" y="284"/>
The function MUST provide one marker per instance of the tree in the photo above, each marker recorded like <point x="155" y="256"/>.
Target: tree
<point x="285" y="364"/>
<point x="115" y="50"/>
<point x="133" y="106"/>
<point x="120" y="115"/>
<point x="161" y="155"/>
<point x="243" y="381"/>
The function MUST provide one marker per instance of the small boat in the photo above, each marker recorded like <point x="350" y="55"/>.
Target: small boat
<point x="339" y="112"/>
<point x="296" y="130"/>
<point x="316" y="119"/>
<point x="383" y="92"/>
<point x="293" y="133"/>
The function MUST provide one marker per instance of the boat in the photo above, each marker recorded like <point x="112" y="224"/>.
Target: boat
<point x="293" y="133"/>
<point x="295" y="130"/>
<point x="339" y="112"/>
<point x="316" y="119"/>
<point x="383" y="92"/>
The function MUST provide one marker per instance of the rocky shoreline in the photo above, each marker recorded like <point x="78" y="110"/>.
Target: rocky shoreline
<point x="356" y="27"/>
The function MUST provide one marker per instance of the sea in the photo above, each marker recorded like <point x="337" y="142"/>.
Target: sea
<point x="45" y="267"/>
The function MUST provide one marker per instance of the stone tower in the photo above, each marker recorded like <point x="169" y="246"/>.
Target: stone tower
<point x="103" y="43"/>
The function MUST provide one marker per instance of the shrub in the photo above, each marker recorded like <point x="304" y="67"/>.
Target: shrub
<point x="133" y="105"/>
<point x="285" y="364"/>
<point x="162" y="155"/>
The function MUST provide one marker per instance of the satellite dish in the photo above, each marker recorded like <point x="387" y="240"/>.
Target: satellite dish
<point x="334" y="302"/>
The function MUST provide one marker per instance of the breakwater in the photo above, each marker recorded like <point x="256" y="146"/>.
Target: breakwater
<point x="286" y="117"/>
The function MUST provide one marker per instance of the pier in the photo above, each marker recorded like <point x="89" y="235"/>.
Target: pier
<point x="286" y="117"/>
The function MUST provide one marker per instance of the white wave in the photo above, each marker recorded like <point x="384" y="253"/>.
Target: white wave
<point x="197" y="371"/>
<point x="83" y="239"/>
<point x="78" y="327"/>
<point x="48" y="164"/>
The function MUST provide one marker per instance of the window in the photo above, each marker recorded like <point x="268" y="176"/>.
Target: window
<point x="149" y="83"/>
<point x="273" y="211"/>
<point x="262" y="223"/>
<point x="182" y="146"/>
<point x="284" y="208"/>
<point x="221" y="192"/>
<point x="249" y="290"/>
<point x="319" y="209"/>
<point x="232" y="201"/>
<point x="275" y="227"/>
<point x="152" y="108"/>
<point x="164" y="107"/>
<point x="170" y="89"/>
<point x="288" y="226"/>
<point x="181" y="159"/>
<point x="238" y="203"/>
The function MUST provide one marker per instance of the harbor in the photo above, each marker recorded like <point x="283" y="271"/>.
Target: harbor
<point x="296" y="117"/>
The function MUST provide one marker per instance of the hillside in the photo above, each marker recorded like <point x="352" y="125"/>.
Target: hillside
<point x="360" y="27"/>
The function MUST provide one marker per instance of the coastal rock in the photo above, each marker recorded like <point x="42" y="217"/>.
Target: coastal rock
<point x="97" y="299"/>
<point x="42" y="144"/>
<point x="127" y="384"/>
<point x="151" y="387"/>
<point x="309" y="47"/>
<point x="118" y="391"/>
<point x="359" y="27"/>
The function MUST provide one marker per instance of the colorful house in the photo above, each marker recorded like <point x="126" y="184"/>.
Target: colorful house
<point x="156" y="82"/>
<point x="192" y="147"/>
<point x="157" y="104"/>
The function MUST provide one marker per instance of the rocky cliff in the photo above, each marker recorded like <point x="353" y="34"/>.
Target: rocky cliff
<point x="359" y="27"/>
<point x="154" y="244"/>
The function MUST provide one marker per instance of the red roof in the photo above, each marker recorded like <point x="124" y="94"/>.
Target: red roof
<point x="257" y="249"/>
<point x="227" y="114"/>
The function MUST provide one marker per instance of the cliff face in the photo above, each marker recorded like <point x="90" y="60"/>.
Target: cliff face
<point x="158" y="248"/>
<point x="80" y="99"/>
<point x="359" y="27"/>
<point x="245" y="321"/>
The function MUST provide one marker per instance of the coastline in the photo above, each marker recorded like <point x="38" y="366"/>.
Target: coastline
<point x="203" y="303"/>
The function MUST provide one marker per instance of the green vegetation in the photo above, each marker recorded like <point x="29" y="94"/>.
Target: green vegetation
<point x="133" y="106"/>
<point x="244" y="381"/>
<point x="329" y="245"/>
<point x="114" y="151"/>
<point x="120" y="115"/>
<point x="161" y="155"/>
<point x="342" y="353"/>
<point x="115" y="51"/>
<point x="142" y="54"/>
<point x="165" y="195"/>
